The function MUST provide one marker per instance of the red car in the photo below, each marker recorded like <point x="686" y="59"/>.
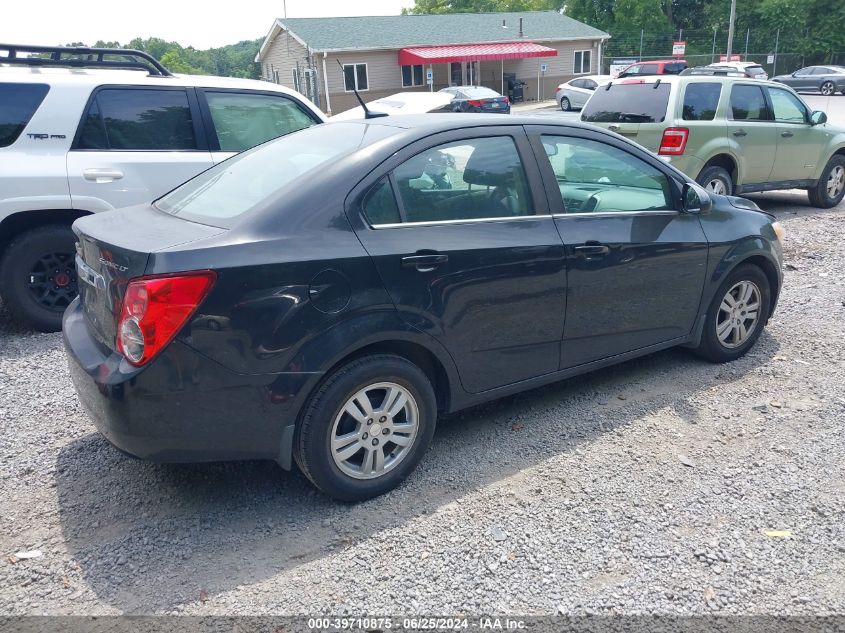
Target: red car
<point x="656" y="67"/>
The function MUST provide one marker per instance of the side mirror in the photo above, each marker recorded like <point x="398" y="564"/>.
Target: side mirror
<point x="696" y="199"/>
<point x="818" y="117"/>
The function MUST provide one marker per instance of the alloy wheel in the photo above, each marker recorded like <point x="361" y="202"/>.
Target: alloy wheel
<point x="565" y="105"/>
<point x="835" y="181"/>
<point x="52" y="281"/>
<point x="739" y="314"/>
<point x="375" y="430"/>
<point x="828" y="88"/>
<point x="716" y="185"/>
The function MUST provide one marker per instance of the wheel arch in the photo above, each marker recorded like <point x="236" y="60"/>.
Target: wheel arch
<point x="770" y="270"/>
<point x="17" y="223"/>
<point x="726" y="162"/>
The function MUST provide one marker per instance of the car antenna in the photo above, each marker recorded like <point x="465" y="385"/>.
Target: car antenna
<point x="656" y="83"/>
<point x="368" y="114"/>
<point x="607" y="87"/>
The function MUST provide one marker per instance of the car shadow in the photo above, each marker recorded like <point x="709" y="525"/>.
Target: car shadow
<point x="150" y="537"/>
<point x="792" y="202"/>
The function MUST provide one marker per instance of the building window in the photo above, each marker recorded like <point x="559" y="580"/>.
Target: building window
<point x="582" y="62"/>
<point x="296" y="84"/>
<point x="412" y="76"/>
<point x="355" y="77"/>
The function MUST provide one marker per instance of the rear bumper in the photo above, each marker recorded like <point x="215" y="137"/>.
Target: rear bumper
<point x="182" y="407"/>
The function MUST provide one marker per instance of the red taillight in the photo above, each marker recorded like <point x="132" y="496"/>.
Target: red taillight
<point x="505" y="100"/>
<point x="674" y="141"/>
<point x="475" y="103"/>
<point x="155" y="308"/>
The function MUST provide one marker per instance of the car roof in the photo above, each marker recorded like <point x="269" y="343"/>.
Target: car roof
<point x="593" y="77"/>
<point x="673" y="79"/>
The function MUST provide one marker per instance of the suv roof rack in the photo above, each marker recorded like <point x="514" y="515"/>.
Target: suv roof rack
<point x="83" y="57"/>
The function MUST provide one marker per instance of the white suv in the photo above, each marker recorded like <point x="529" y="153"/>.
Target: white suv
<point x="89" y="130"/>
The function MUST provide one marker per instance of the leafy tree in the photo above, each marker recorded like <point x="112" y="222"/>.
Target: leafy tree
<point x="481" y="6"/>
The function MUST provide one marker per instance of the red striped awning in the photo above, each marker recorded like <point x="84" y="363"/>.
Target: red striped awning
<point x="472" y="52"/>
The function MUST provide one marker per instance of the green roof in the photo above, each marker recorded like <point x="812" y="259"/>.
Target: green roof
<point x="399" y="31"/>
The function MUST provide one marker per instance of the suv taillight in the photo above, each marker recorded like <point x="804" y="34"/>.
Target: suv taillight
<point x="155" y="308"/>
<point x="674" y="141"/>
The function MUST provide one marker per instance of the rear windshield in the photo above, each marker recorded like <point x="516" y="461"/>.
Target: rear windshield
<point x="480" y="93"/>
<point x="18" y="102"/>
<point x="243" y="182"/>
<point x="628" y="103"/>
<point x="755" y="70"/>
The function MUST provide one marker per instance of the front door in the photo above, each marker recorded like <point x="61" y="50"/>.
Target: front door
<point x="459" y="230"/>
<point x="799" y="144"/>
<point x="636" y="264"/>
<point x="752" y="132"/>
<point x="134" y="145"/>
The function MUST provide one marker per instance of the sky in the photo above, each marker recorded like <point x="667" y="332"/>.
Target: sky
<point x="189" y="22"/>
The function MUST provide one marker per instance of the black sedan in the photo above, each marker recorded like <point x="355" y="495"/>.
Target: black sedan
<point x="322" y="298"/>
<point x="478" y="99"/>
<point x="825" y="79"/>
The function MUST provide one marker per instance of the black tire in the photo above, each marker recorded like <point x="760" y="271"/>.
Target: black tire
<point x="29" y="254"/>
<point x="710" y="346"/>
<point x="565" y="105"/>
<point x="819" y="196"/>
<point x="312" y="444"/>
<point x="827" y="88"/>
<point x="715" y="173"/>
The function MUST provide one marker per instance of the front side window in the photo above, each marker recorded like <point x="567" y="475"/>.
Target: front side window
<point x="471" y="179"/>
<point x="244" y="120"/>
<point x="138" y="119"/>
<point x="582" y="62"/>
<point x="594" y="177"/>
<point x="701" y="101"/>
<point x="18" y="102"/>
<point x="803" y="71"/>
<point x="631" y="70"/>
<point x="749" y="104"/>
<point x="412" y="76"/>
<point x="787" y="107"/>
<point x="355" y="77"/>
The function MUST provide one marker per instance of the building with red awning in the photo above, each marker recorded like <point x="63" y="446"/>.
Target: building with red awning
<point x="521" y="55"/>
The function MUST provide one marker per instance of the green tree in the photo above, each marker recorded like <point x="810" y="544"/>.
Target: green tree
<point x="481" y="6"/>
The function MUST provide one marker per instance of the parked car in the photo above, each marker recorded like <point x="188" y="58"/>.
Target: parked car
<point x="477" y="99"/>
<point x="574" y="93"/>
<point x="748" y="69"/>
<point x="91" y="130"/>
<point x="656" y="67"/>
<point x="826" y="79"/>
<point x="732" y="135"/>
<point x="713" y="70"/>
<point x="401" y="103"/>
<point x="355" y="295"/>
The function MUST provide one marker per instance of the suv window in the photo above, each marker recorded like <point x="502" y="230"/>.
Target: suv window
<point x="628" y="103"/>
<point x="788" y="108"/>
<point x="674" y="69"/>
<point x="18" y="102"/>
<point x="138" y="119"/>
<point x="244" y="120"/>
<point x="594" y="177"/>
<point x="469" y="179"/>
<point x="749" y="104"/>
<point x="700" y="101"/>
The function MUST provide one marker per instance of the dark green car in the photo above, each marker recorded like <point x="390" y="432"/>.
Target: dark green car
<point x="733" y="135"/>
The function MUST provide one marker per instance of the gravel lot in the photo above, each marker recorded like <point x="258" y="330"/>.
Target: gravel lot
<point x="648" y="487"/>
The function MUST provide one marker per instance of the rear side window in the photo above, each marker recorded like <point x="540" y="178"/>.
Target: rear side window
<point x="749" y="104"/>
<point x="379" y="204"/>
<point x="628" y="103"/>
<point x="124" y="119"/>
<point x="246" y="120"/>
<point x="700" y="101"/>
<point x="18" y="102"/>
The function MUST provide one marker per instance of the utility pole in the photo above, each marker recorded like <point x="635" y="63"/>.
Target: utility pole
<point x="642" y="32"/>
<point x="713" y="53"/>
<point x="775" y="67"/>
<point x="747" y="37"/>
<point x="731" y="29"/>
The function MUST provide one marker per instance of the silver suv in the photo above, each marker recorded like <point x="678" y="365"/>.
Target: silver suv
<point x="89" y="130"/>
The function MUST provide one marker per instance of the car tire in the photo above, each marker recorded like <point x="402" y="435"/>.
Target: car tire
<point x="366" y="381"/>
<point x="827" y="88"/>
<point x="723" y="339"/>
<point x="46" y="253"/>
<point x="830" y="188"/>
<point x="565" y="105"/>
<point x="717" y="180"/>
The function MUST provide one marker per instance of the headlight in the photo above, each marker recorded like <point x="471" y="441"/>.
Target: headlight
<point x="778" y="227"/>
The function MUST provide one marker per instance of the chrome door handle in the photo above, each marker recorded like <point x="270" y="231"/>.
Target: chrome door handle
<point x="424" y="263"/>
<point x="786" y="134"/>
<point x="740" y="133"/>
<point x="102" y="175"/>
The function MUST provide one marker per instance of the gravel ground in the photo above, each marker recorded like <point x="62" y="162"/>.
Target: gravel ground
<point x="648" y="487"/>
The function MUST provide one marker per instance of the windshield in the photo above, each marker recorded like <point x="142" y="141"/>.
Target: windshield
<point x="241" y="183"/>
<point x="628" y="103"/>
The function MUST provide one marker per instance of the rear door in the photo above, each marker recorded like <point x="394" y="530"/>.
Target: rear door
<point x="752" y="132"/>
<point x="135" y="144"/>
<point x="799" y="144"/>
<point x="237" y="120"/>
<point x="459" y="230"/>
<point x="636" y="263"/>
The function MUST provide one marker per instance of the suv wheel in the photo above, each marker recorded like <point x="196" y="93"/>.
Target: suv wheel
<point x="38" y="276"/>
<point x="828" y="88"/>
<point x="366" y="428"/>
<point x="717" y="180"/>
<point x="565" y="105"/>
<point x="830" y="188"/>
<point x="736" y="316"/>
